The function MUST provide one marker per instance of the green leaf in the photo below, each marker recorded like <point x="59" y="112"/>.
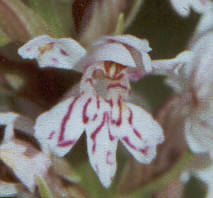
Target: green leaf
<point x="57" y="14"/>
<point x="43" y="188"/>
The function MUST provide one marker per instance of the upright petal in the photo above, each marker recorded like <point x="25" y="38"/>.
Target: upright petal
<point x="114" y="52"/>
<point x="49" y="52"/>
<point x="141" y="45"/>
<point x="60" y="128"/>
<point x="102" y="145"/>
<point x="139" y="133"/>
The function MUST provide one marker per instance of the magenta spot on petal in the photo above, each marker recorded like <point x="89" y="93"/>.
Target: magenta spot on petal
<point x="117" y="85"/>
<point x="61" y="141"/>
<point x="64" y="53"/>
<point x="28" y="49"/>
<point x="127" y="141"/>
<point x="51" y="135"/>
<point x="97" y="130"/>
<point x="136" y="132"/>
<point x="55" y="60"/>
<point x="94" y="117"/>
<point x="66" y="143"/>
<point x="84" y="114"/>
<point x="108" y="158"/>
<point x="144" y="151"/>
<point x="119" y="120"/>
<point x="97" y="168"/>
<point x="98" y="101"/>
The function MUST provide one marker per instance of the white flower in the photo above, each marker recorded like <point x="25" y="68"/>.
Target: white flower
<point x="14" y="154"/>
<point x="101" y="108"/>
<point x="105" y="117"/>
<point x="183" y="7"/>
<point x="195" y="80"/>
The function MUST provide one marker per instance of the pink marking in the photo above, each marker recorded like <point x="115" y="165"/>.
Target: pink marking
<point x="89" y="80"/>
<point x="95" y="133"/>
<point x="63" y="52"/>
<point x="61" y="141"/>
<point x="137" y="133"/>
<point x="117" y="85"/>
<point x="108" y="158"/>
<point x="51" y="135"/>
<point x="97" y="168"/>
<point x="84" y="114"/>
<point x="111" y="137"/>
<point x="130" y="117"/>
<point x="98" y="101"/>
<point x="109" y="102"/>
<point x="66" y="143"/>
<point x="130" y="122"/>
<point x="119" y="120"/>
<point x="94" y="117"/>
<point x="118" y="77"/>
<point x="28" y="49"/>
<point x="144" y="151"/>
<point x="127" y="141"/>
<point x="55" y="60"/>
<point x="203" y="2"/>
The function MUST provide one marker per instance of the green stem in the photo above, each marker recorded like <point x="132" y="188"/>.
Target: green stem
<point x="120" y="24"/>
<point x="133" y="12"/>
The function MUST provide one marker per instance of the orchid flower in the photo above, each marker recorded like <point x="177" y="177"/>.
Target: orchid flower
<point x="183" y="7"/>
<point x="101" y="108"/>
<point x="25" y="162"/>
<point x="194" y="82"/>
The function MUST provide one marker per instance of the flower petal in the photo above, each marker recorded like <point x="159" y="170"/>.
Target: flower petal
<point x="173" y="63"/>
<point x="7" y="190"/>
<point x="198" y="135"/>
<point x="102" y="149"/>
<point x="142" y="45"/>
<point x="201" y="6"/>
<point x="139" y="133"/>
<point x="60" y="128"/>
<point x="182" y="7"/>
<point x="30" y="50"/>
<point x="205" y="22"/>
<point x="49" y="52"/>
<point x="24" y="167"/>
<point x="8" y="119"/>
<point x="114" y="52"/>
